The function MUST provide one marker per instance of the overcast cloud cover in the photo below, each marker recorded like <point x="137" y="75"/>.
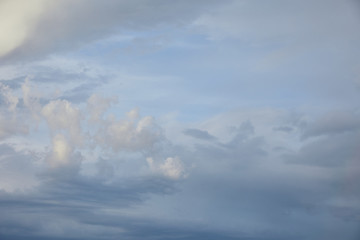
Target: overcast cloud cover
<point x="157" y="119"/>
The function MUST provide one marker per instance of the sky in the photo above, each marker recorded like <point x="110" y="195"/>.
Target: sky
<point x="196" y="120"/>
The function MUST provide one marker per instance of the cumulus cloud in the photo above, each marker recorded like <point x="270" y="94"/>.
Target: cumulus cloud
<point x="131" y="134"/>
<point x="172" y="167"/>
<point x="61" y="151"/>
<point x="61" y="115"/>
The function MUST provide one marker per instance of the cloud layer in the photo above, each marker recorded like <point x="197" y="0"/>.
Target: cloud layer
<point x="182" y="119"/>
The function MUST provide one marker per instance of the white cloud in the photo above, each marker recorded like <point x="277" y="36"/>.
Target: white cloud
<point x="17" y="20"/>
<point x="131" y="134"/>
<point x="61" y="115"/>
<point x="172" y="167"/>
<point x="61" y="151"/>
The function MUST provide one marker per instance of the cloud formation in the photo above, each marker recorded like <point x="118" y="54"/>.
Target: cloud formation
<point x="183" y="119"/>
<point x="131" y="134"/>
<point x="172" y="167"/>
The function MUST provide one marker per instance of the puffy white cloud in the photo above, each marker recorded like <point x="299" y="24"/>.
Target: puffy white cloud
<point x="172" y="167"/>
<point x="131" y="134"/>
<point x="61" y="115"/>
<point x="61" y="151"/>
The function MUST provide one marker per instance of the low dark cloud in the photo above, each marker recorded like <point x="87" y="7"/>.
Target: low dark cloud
<point x="77" y="199"/>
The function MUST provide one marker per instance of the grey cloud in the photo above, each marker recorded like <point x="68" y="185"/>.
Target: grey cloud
<point x="76" y="199"/>
<point x="30" y="217"/>
<point x="283" y="129"/>
<point x="246" y="186"/>
<point x="333" y="123"/>
<point x="143" y="228"/>
<point x="242" y="133"/>
<point x="347" y="213"/>
<point x="332" y="151"/>
<point x="17" y="171"/>
<point x="199" y="134"/>
<point x="240" y="151"/>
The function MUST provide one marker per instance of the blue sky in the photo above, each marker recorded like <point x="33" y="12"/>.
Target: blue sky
<point x="154" y="119"/>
